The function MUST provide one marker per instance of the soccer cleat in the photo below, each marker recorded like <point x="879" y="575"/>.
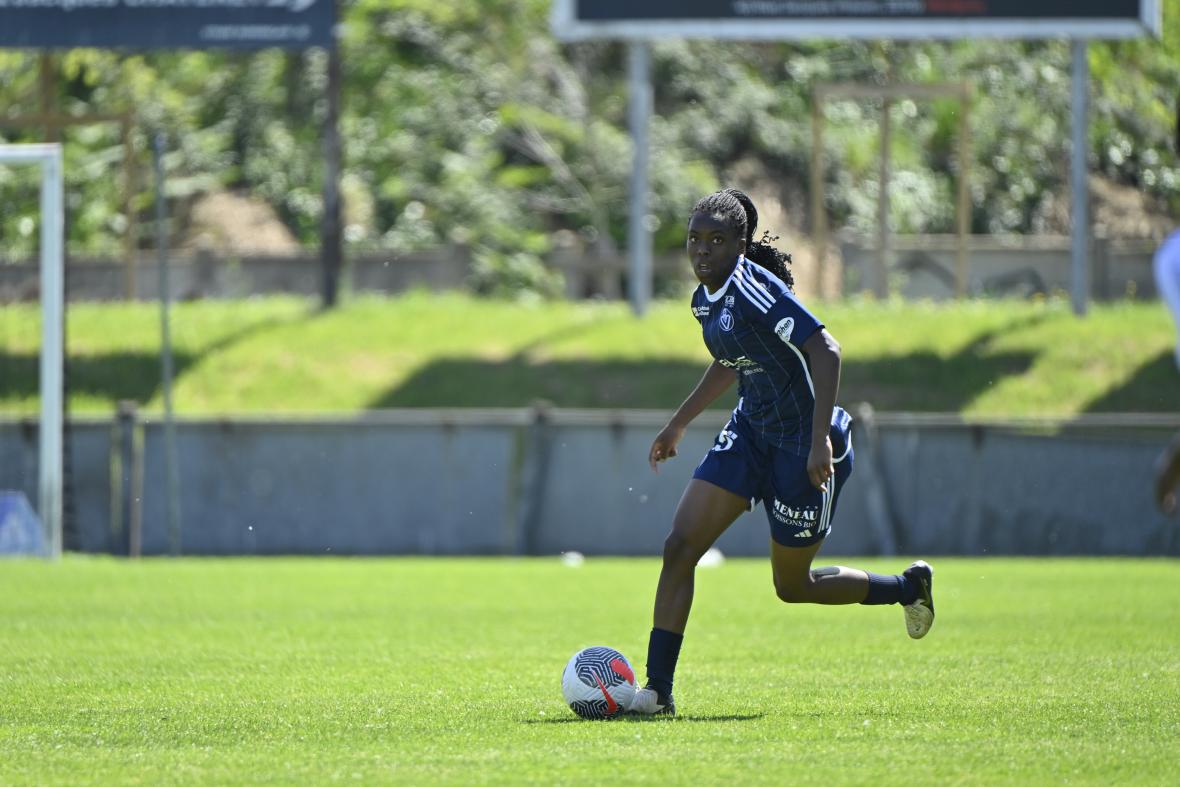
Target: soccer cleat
<point x="919" y="614"/>
<point x="648" y="702"/>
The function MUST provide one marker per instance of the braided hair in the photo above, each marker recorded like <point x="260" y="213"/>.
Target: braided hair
<point x="737" y="210"/>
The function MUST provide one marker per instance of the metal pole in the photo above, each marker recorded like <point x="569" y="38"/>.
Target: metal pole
<point x="52" y="346"/>
<point x="881" y="279"/>
<point x="819" y="220"/>
<point x="331" y="231"/>
<point x="639" y="284"/>
<point x="172" y="480"/>
<point x="1080" y="254"/>
<point x="964" y="201"/>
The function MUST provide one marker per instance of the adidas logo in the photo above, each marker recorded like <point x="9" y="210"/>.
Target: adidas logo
<point x="804" y="534"/>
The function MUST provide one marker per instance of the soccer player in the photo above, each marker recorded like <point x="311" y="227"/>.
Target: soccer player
<point x="786" y="442"/>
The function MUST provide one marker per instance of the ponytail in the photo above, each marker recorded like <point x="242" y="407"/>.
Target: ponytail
<point x="761" y="251"/>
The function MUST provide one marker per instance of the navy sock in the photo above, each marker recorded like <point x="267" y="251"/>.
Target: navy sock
<point x="889" y="589"/>
<point x="663" y="649"/>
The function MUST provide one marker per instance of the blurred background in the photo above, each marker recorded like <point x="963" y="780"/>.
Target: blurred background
<point x="400" y="273"/>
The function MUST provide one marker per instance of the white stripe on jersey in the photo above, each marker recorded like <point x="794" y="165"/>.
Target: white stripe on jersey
<point x="753" y="290"/>
<point x="782" y="285"/>
<point x="751" y="295"/>
<point x="803" y="363"/>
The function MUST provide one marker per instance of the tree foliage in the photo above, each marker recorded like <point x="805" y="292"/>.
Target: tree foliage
<point x="468" y="124"/>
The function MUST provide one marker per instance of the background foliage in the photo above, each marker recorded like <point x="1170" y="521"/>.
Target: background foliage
<point x="468" y="123"/>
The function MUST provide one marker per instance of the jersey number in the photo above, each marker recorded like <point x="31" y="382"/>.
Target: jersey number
<point x="725" y="440"/>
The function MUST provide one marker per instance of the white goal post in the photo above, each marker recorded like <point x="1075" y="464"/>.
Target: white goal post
<point x="49" y="480"/>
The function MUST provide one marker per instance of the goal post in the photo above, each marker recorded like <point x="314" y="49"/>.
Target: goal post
<point x="49" y="479"/>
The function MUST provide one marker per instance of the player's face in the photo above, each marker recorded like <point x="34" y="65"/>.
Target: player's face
<point x="713" y="248"/>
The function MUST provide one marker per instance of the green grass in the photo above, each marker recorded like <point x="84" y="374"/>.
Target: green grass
<point x="423" y="671"/>
<point x="981" y="358"/>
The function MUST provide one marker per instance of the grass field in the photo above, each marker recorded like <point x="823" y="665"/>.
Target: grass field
<point x="275" y="355"/>
<point x="424" y="671"/>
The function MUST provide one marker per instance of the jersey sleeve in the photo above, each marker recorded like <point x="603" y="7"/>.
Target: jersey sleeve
<point x="790" y="320"/>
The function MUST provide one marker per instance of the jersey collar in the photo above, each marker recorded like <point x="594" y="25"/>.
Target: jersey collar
<point x="713" y="297"/>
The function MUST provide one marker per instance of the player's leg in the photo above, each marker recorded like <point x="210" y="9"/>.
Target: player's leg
<point x="800" y="518"/>
<point x="795" y="582"/>
<point x="704" y="513"/>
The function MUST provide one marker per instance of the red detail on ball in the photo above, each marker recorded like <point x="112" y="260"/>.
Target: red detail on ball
<point x="623" y="669"/>
<point x="612" y="707"/>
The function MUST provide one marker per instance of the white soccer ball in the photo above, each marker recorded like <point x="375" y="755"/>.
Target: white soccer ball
<point x="598" y="683"/>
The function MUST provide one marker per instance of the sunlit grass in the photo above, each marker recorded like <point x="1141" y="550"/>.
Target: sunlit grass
<point x="424" y="671"/>
<point x="981" y="358"/>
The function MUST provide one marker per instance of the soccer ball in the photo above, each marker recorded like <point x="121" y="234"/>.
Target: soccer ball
<point x="598" y="683"/>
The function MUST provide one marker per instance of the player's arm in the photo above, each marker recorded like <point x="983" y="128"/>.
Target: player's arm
<point x="716" y="381"/>
<point x="823" y="354"/>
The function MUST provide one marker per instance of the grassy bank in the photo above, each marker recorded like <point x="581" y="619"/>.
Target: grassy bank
<point x="981" y="358"/>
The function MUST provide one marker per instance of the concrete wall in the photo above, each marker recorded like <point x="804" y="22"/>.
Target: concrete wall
<point x="924" y="266"/>
<point x="204" y="275"/>
<point x="921" y="267"/>
<point x="539" y="482"/>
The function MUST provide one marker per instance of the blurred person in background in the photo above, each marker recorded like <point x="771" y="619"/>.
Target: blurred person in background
<point x="786" y="443"/>
<point x="1166" y="267"/>
<point x="1166" y="263"/>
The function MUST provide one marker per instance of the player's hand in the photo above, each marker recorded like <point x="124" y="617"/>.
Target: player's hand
<point x="820" y="469"/>
<point x="1167" y="478"/>
<point x="664" y="446"/>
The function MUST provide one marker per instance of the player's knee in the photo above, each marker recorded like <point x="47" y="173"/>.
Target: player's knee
<point x="792" y="592"/>
<point x="680" y="551"/>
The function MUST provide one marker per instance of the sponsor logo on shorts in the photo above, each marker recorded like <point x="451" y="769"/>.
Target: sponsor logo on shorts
<point x="803" y="517"/>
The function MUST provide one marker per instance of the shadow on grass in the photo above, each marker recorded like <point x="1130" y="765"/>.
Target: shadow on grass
<point x="926" y="381"/>
<point x="636" y="719"/>
<point x="916" y="381"/>
<point x="113" y="376"/>
<point x="1151" y="389"/>
<point x="516" y="382"/>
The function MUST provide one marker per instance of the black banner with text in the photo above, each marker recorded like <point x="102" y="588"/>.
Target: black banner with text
<point x="166" y="24"/>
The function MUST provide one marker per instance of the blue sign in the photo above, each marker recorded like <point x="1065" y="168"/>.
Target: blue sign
<point x="20" y="529"/>
<point x="167" y="24"/>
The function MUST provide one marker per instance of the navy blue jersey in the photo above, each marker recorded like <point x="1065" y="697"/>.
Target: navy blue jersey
<point x="754" y="325"/>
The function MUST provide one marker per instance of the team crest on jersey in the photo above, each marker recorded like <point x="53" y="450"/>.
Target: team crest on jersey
<point x="726" y="320"/>
<point x="784" y="328"/>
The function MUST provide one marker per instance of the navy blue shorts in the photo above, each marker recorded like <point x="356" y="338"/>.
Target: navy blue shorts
<point x="799" y="514"/>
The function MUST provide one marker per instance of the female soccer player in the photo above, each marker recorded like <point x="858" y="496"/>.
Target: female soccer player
<point x="786" y="443"/>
